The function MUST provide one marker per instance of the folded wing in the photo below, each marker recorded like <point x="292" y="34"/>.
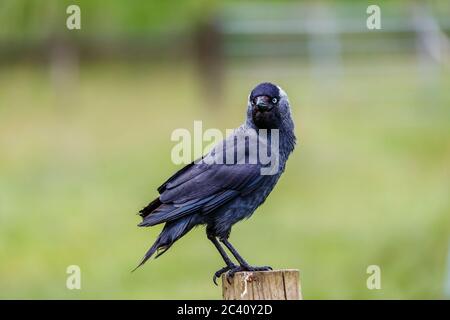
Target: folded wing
<point x="200" y="189"/>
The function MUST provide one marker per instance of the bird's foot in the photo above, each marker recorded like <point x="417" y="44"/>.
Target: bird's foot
<point x="232" y="271"/>
<point x="219" y="272"/>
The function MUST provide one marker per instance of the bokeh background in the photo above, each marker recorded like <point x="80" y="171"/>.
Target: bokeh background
<point x="86" y="117"/>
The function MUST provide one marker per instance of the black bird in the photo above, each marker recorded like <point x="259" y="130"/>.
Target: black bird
<point x="217" y="194"/>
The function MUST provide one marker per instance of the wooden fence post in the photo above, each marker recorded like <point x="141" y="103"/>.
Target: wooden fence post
<point x="263" y="285"/>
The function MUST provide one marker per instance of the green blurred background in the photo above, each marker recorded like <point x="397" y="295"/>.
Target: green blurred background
<point x="86" y="117"/>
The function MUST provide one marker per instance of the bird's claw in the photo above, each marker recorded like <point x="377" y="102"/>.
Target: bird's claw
<point x="233" y="269"/>
<point x="219" y="272"/>
<point x="231" y="272"/>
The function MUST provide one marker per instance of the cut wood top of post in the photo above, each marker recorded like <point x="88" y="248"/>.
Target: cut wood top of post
<point x="263" y="285"/>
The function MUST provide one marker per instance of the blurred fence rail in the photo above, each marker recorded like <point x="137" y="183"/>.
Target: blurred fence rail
<point x="322" y="34"/>
<point x="331" y="30"/>
<point x="244" y="29"/>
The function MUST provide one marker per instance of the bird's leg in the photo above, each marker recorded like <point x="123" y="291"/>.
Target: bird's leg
<point x="243" y="265"/>
<point x="234" y="252"/>
<point x="229" y="264"/>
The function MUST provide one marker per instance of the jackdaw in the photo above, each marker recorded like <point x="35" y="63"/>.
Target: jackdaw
<point x="229" y="183"/>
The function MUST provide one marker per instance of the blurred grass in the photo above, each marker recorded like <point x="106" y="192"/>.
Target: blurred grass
<point x="368" y="184"/>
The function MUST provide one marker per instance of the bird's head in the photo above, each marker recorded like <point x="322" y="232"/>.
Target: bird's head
<point x="268" y="107"/>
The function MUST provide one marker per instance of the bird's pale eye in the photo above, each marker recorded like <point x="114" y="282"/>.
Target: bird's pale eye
<point x="274" y="100"/>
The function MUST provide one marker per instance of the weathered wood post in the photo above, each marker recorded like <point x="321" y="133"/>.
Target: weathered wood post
<point x="263" y="285"/>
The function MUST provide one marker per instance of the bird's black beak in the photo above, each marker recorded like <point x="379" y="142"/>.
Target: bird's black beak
<point x="263" y="103"/>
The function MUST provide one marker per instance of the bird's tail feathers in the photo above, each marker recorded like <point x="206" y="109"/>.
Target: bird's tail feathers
<point x="152" y="206"/>
<point x="172" y="232"/>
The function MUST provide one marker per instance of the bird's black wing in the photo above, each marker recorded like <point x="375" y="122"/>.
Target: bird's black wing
<point x="200" y="188"/>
